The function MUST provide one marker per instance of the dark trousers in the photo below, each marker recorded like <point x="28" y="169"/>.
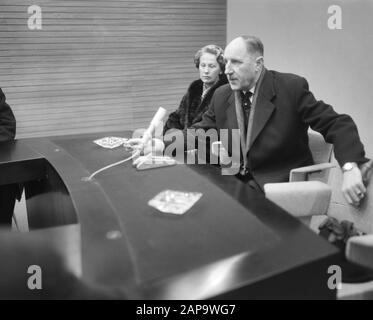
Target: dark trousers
<point x="248" y="179"/>
<point x="8" y="194"/>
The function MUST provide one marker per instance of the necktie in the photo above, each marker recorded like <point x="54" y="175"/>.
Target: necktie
<point x="246" y="105"/>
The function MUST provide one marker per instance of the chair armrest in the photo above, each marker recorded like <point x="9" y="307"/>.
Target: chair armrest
<point x="359" y="250"/>
<point x="301" y="199"/>
<point x="315" y="172"/>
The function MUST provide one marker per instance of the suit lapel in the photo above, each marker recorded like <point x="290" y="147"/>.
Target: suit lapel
<point x="264" y="107"/>
<point x="231" y="112"/>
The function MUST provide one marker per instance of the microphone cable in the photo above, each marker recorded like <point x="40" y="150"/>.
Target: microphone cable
<point x="136" y="153"/>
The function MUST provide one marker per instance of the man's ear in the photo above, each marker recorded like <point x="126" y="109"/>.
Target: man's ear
<point x="259" y="62"/>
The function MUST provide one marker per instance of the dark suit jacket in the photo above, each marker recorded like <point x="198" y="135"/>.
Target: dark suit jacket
<point x="284" y="111"/>
<point x="7" y="133"/>
<point x="7" y="120"/>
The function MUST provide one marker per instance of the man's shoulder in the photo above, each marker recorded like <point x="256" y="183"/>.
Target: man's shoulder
<point x="224" y="90"/>
<point x="2" y="98"/>
<point x="285" y="77"/>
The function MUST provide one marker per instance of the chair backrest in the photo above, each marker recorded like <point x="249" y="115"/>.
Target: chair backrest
<point x="321" y="151"/>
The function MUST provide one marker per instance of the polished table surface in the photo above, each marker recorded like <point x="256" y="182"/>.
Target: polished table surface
<point x="233" y="243"/>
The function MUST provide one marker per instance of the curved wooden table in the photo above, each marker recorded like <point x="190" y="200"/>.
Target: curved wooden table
<point x="232" y="243"/>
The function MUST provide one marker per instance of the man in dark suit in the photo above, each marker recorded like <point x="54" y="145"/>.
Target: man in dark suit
<point x="273" y="111"/>
<point x="8" y="193"/>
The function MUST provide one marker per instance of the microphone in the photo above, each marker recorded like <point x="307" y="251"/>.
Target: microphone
<point x="157" y="119"/>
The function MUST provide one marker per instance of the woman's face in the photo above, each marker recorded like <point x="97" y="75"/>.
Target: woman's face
<point x="209" y="68"/>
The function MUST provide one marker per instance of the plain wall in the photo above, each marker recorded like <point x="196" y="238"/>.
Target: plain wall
<point x="338" y="64"/>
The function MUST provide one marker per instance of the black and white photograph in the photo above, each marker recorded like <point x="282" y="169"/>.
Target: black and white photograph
<point x="183" y="156"/>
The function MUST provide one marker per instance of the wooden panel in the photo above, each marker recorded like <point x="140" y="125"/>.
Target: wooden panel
<point x="101" y="65"/>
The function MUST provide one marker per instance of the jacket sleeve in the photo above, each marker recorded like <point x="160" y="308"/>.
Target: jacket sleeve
<point x="208" y="122"/>
<point x="337" y="129"/>
<point x="208" y="117"/>
<point x="174" y="120"/>
<point x="7" y="120"/>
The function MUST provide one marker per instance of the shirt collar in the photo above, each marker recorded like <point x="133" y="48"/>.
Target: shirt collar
<point x="252" y="90"/>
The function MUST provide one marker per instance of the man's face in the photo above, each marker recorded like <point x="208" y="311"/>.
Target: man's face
<point x="241" y="67"/>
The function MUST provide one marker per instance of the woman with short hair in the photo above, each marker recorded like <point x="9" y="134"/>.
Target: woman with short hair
<point x="209" y="60"/>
